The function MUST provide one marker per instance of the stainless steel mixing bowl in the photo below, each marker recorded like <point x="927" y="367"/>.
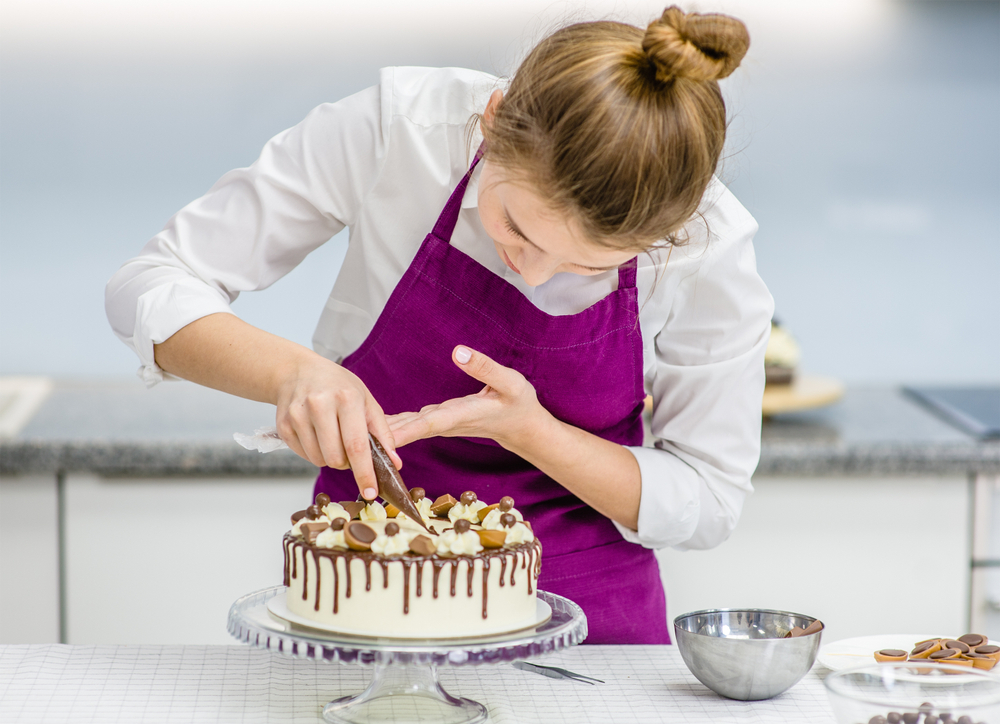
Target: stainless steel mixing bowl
<point x="742" y="653"/>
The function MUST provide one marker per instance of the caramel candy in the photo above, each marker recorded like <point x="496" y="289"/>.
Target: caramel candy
<point x="297" y="516"/>
<point x="423" y="546"/>
<point x="925" y="648"/>
<point x="944" y="654"/>
<point x="417" y="494"/>
<point x="338" y="523"/>
<point x="507" y="520"/>
<point x="359" y="536"/>
<point x="973" y="640"/>
<point x="506" y="504"/>
<point x="462" y="526"/>
<point x="468" y="497"/>
<point x="442" y="505"/>
<point x="981" y="661"/>
<point x="890" y="655"/>
<point x="322" y="500"/>
<point x="311" y="530"/>
<point x="391" y="529"/>
<point x="988" y="650"/>
<point x="313" y="512"/>
<point x="391" y="510"/>
<point x="496" y="539"/>
<point x="483" y="512"/>
<point x="353" y="507"/>
<point x="955" y="644"/>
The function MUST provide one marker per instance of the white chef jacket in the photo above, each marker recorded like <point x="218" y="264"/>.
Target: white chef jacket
<point x="382" y="163"/>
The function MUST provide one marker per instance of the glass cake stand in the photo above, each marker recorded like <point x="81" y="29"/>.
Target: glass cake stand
<point x="405" y="684"/>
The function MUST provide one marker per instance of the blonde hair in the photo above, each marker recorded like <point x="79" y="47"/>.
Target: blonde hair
<point x="620" y="127"/>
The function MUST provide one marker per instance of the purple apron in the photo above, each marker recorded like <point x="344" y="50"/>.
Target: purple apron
<point x="587" y="371"/>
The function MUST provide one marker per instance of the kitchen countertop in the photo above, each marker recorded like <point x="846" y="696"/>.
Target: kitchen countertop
<point x="644" y="684"/>
<point x="119" y="428"/>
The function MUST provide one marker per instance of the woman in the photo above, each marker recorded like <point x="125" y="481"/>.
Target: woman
<point x="585" y="257"/>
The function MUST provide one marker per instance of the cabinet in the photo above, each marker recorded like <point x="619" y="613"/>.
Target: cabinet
<point x="867" y="555"/>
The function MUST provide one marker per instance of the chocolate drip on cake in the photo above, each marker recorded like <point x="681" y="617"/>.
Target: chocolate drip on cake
<point x="438" y="565"/>
<point x="406" y="586"/>
<point x="316" y="563"/>
<point x="528" y="554"/>
<point x="486" y="580"/>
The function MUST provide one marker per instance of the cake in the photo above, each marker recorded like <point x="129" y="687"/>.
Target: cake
<point x="368" y="569"/>
<point x="781" y="356"/>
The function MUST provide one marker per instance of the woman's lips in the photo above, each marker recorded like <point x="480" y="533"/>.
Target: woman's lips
<point x="508" y="262"/>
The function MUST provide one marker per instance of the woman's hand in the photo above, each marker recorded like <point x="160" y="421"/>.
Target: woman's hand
<point x="505" y="410"/>
<point x="325" y="413"/>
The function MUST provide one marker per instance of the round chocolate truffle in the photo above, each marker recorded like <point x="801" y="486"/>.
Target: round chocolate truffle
<point x="506" y="503"/>
<point x="462" y="526"/>
<point x="313" y="512"/>
<point x="337" y="523"/>
<point x="322" y="500"/>
<point x="391" y="529"/>
<point x="507" y="520"/>
<point x="417" y="494"/>
<point x="468" y="498"/>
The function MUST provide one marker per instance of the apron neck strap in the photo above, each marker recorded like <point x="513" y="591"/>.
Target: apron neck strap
<point x="445" y="225"/>
<point x="627" y="273"/>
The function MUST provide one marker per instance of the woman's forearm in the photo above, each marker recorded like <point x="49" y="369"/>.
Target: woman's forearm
<point x="603" y="474"/>
<point x="224" y="352"/>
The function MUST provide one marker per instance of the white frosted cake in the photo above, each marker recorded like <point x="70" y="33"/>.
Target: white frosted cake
<point x="369" y="570"/>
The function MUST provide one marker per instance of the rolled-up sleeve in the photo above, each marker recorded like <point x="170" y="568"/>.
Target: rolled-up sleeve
<point x="252" y="227"/>
<point x="707" y="387"/>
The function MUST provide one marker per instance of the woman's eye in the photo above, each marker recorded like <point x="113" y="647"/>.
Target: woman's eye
<point x="511" y="229"/>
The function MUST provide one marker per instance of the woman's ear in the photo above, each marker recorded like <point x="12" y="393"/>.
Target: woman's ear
<point x="491" y="107"/>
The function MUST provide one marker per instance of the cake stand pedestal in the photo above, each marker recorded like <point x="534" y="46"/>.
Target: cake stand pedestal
<point x="405" y="686"/>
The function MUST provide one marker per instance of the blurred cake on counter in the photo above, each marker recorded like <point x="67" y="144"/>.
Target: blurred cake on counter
<point x="781" y="356"/>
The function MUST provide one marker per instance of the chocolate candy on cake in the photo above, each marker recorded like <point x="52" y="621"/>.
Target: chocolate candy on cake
<point x="496" y="539"/>
<point x="359" y="536"/>
<point x="322" y="500"/>
<point x="353" y="507"/>
<point x="423" y="546"/>
<point x="391" y="529"/>
<point x="442" y="505"/>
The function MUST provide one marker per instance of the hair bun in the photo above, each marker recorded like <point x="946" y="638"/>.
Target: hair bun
<point x="694" y="46"/>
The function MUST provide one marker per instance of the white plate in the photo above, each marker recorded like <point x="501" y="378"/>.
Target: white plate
<point x="860" y="651"/>
<point x="277" y="607"/>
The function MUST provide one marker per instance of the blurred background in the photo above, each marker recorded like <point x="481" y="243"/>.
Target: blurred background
<point x="863" y="138"/>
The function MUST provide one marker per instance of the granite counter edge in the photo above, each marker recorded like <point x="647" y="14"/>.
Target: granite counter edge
<point x="176" y="459"/>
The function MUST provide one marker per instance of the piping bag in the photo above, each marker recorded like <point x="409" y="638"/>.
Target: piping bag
<point x="390" y="484"/>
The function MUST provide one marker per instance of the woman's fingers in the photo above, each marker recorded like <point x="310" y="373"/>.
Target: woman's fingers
<point x="476" y="364"/>
<point x="354" y="431"/>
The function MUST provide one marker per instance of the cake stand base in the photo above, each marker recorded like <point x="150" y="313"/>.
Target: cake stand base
<point x="404" y="694"/>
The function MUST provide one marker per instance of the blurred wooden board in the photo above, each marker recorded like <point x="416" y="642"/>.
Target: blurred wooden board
<point x="804" y="393"/>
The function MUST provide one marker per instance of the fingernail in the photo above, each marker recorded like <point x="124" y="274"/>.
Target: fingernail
<point x="463" y="354"/>
<point x="369" y="494"/>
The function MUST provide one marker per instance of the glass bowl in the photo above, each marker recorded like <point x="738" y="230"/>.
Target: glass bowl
<point x="901" y="692"/>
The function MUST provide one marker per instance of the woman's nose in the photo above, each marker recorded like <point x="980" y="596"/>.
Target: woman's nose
<point x="537" y="268"/>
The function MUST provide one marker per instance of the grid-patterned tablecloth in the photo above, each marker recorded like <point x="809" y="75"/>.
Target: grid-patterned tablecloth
<point x="50" y="683"/>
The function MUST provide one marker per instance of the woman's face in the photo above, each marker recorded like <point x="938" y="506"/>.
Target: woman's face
<point x="531" y="238"/>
